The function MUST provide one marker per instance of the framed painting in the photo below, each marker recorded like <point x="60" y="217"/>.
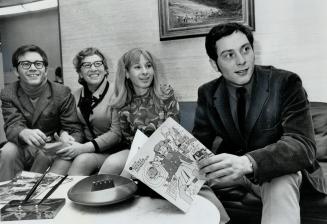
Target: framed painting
<point x="191" y="18"/>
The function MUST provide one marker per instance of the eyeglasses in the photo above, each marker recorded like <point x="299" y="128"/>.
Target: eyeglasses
<point x="89" y="64"/>
<point x="28" y="64"/>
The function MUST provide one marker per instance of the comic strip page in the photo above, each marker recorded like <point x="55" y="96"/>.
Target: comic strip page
<point x="167" y="163"/>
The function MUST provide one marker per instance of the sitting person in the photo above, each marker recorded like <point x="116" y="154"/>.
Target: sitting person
<point x="100" y="122"/>
<point x="34" y="110"/>
<point x="144" y="103"/>
<point x="143" y="100"/>
<point x="257" y="121"/>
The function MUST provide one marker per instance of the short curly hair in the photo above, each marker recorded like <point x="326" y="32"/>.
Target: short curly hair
<point x="79" y="57"/>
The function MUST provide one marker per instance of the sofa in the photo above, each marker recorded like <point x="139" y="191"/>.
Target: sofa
<point x="244" y="207"/>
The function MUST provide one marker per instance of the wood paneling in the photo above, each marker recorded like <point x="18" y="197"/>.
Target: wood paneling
<point x="290" y="34"/>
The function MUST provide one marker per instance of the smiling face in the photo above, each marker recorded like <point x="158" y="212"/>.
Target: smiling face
<point x="31" y="76"/>
<point x="235" y="58"/>
<point x="141" y="75"/>
<point x="92" y="71"/>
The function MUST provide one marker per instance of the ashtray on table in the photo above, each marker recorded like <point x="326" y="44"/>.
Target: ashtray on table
<point x="102" y="189"/>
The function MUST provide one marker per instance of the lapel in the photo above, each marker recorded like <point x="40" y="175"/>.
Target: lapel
<point x="259" y="96"/>
<point x="221" y="102"/>
<point x="24" y="100"/>
<point x="41" y="104"/>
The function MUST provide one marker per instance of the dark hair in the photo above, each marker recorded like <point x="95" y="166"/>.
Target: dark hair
<point x="77" y="61"/>
<point x="58" y="72"/>
<point x="28" y="48"/>
<point x="222" y="30"/>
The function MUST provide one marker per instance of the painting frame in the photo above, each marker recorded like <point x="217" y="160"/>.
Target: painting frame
<point x="187" y="26"/>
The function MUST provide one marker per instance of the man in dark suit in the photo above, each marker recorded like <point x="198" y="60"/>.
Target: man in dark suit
<point x="34" y="111"/>
<point x="256" y="120"/>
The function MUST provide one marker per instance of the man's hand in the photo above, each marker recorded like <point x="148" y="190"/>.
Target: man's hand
<point x="225" y="168"/>
<point x="33" y="137"/>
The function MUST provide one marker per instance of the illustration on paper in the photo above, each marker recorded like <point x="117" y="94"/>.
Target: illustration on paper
<point x="167" y="163"/>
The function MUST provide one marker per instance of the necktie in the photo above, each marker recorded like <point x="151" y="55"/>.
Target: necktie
<point x="241" y="108"/>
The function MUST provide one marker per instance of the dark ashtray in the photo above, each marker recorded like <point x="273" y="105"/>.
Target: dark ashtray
<point x="99" y="185"/>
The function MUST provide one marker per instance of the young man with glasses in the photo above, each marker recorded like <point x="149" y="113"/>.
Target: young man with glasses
<point x="34" y="111"/>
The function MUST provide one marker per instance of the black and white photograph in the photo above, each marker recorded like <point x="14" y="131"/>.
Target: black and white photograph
<point x="84" y="84"/>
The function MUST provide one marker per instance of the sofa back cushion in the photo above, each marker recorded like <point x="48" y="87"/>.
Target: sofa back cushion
<point x="319" y="119"/>
<point x="187" y="113"/>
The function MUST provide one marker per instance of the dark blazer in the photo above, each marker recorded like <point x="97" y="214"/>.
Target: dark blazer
<point x="278" y="125"/>
<point x="55" y="111"/>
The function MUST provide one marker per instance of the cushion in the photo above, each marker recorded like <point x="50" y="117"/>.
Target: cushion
<point x="319" y="118"/>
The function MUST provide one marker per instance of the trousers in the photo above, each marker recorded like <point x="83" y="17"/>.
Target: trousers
<point x="280" y="199"/>
<point x="14" y="159"/>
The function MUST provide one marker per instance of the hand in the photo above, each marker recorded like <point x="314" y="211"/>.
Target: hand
<point x="33" y="137"/>
<point x="225" y="168"/>
<point x="71" y="151"/>
<point x="64" y="137"/>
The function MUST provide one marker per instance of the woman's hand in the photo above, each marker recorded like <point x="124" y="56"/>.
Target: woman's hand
<point x="64" y="137"/>
<point x="71" y="151"/>
<point x="74" y="149"/>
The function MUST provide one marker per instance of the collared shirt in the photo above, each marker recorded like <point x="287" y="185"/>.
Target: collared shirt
<point x="233" y="98"/>
<point x="233" y="107"/>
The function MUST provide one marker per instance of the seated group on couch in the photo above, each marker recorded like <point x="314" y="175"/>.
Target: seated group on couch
<point x="37" y="111"/>
<point x="255" y="119"/>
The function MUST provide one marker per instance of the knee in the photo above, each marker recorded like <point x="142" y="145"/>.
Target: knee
<point x="60" y="166"/>
<point x="82" y="159"/>
<point x="118" y="159"/>
<point x="83" y="164"/>
<point x="9" y="152"/>
<point x="284" y="184"/>
<point x="115" y="163"/>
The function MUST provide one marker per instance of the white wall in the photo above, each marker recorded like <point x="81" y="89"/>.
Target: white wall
<point x="290" y="34"/>
<point x="40" y="28"/>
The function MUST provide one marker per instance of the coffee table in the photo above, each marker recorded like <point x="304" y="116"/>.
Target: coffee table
<point x="139" y="210"/>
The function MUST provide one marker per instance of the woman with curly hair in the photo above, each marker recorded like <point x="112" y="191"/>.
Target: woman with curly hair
<point x="99" y="120"/>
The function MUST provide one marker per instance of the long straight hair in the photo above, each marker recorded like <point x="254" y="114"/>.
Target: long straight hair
<point x="123" y="89"/>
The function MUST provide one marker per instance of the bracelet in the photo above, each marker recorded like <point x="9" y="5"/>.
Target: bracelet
<point x="96" y="146"/>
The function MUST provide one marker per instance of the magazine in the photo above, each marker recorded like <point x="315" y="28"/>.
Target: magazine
<point x="14" y="210"/>
<point x="167" y="163"/>
<point x="18" y="188"/>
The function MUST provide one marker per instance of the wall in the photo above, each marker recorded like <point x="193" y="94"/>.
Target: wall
<point x="40" y="28"/>
<point x="290" y="34"/>
<point x="2" y="133"/>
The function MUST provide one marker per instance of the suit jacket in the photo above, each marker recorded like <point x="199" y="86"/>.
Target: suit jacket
<point x="279" y="131"/>
<point x="55" y="110"/>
